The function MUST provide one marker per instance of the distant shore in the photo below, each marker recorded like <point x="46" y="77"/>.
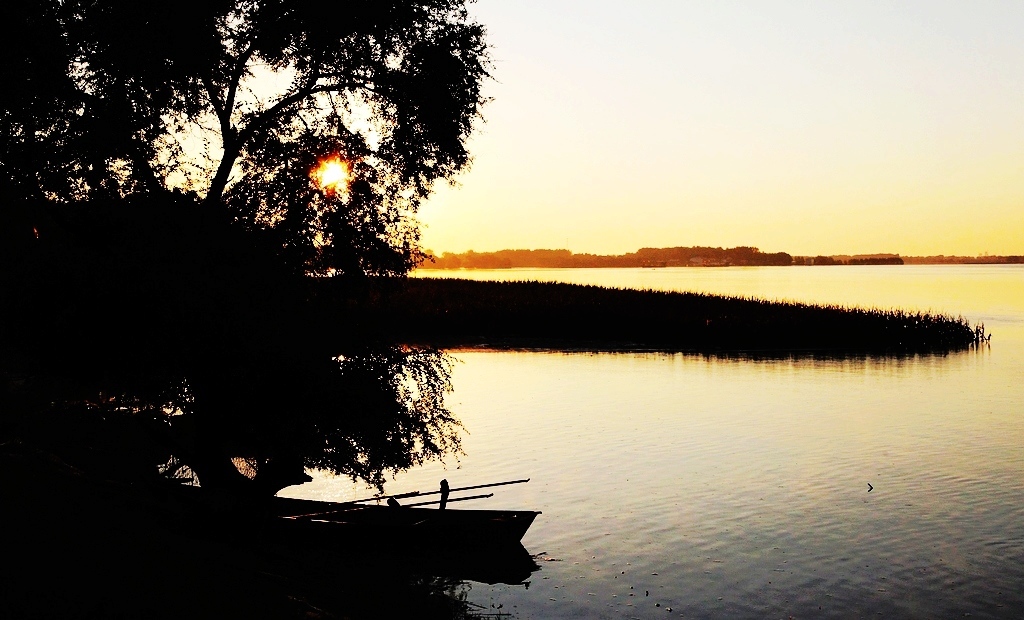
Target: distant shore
<point x="685" y="257"/>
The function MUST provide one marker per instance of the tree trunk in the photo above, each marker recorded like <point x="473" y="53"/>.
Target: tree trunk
<point x="220" y="180"/>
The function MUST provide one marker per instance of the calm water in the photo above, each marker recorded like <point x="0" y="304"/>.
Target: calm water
<point x="694" y="486"/>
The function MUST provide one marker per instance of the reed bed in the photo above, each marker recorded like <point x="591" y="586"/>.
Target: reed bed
<point x="457" y="313"/>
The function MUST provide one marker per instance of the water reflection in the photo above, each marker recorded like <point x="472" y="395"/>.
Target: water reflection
<point x="737" y="486"/>
<point x="510" y="565"/>
<point x="699" y="478"/>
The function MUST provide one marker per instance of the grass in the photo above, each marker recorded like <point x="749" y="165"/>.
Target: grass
<point x="456" y="313"/>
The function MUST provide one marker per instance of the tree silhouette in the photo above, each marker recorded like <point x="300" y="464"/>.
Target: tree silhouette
<point x="236" y="100"/>
<point x="162" y="221"/>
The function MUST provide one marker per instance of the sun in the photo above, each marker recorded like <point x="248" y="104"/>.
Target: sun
<point x="332" y="175"/>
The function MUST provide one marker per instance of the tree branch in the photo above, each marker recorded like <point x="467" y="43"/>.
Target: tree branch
<point x="234" y="139"/>
<point x="261" y="120"/>
<point x="223" y="114"/>
<point x="236" y="79"/>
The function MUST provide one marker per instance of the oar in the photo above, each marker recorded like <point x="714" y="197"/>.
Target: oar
<point x="353" y="508"/>
<point x="352" y="504"/>
<point x="458" y="499"/>
<point x="418" y="494"/>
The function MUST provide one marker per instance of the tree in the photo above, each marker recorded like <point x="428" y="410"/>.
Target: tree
<point x="390" y="87"/>
<point x="158" y="182"/>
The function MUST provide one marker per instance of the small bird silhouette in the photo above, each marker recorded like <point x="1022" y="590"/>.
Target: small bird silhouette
<point x="870" y="488"/>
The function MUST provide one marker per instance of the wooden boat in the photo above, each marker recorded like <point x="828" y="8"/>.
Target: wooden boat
<point x="477" y="545"/>
<point x="411" y="526"/>
<point x="414" y="525"/>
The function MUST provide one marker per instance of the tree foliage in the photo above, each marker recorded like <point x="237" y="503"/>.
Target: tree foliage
<point x="161" y="221"/>
<point x="234" y="100"/>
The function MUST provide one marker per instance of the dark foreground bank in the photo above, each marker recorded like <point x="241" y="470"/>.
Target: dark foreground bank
<point x="460" y="313"/>
<point x="76" y="546"/>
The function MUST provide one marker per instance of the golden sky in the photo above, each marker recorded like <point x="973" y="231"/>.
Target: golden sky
<point x="805" y="127"/>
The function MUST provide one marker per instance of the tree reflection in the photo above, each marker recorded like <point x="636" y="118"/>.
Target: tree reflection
<point x="218" y="358"/>
<point x="373" y="411"/>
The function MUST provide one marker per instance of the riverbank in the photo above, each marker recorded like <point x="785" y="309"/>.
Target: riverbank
<point x="452" y="313"/>
<point x="78" y="546"/>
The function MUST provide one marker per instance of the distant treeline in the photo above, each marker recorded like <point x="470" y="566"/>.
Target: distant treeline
<point x="682" y="257"/>
<point x="892" y="259"/>
<point x="963" y="260"/>
<point x="644" y="257"/>
<point x="456" y="313"/>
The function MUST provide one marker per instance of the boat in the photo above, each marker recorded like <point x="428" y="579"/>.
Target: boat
<point x="411" y="526"/>
<point x="477" y="545"/>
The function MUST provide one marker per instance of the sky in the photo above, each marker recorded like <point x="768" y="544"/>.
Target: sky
<point x="804" y="127"/>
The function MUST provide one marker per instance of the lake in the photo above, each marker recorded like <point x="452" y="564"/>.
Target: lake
<point x="696" y="486"/>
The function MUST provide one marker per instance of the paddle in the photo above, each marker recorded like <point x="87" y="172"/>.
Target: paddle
<point x="458" y="499"/>
<point x="424" y="494"/>
<point x="351" y="505"/>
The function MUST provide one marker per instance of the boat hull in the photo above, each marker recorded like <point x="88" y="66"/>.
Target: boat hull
<point x="479" y="545"/>
<point x="418" y="526"/>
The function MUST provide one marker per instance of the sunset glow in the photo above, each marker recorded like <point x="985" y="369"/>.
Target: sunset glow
<point x="332" y="175"/>
<point x="810" y="128"/>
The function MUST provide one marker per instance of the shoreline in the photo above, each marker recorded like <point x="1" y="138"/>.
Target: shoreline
<point x="696" y="256"/>
<point x="908" y="261"/>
